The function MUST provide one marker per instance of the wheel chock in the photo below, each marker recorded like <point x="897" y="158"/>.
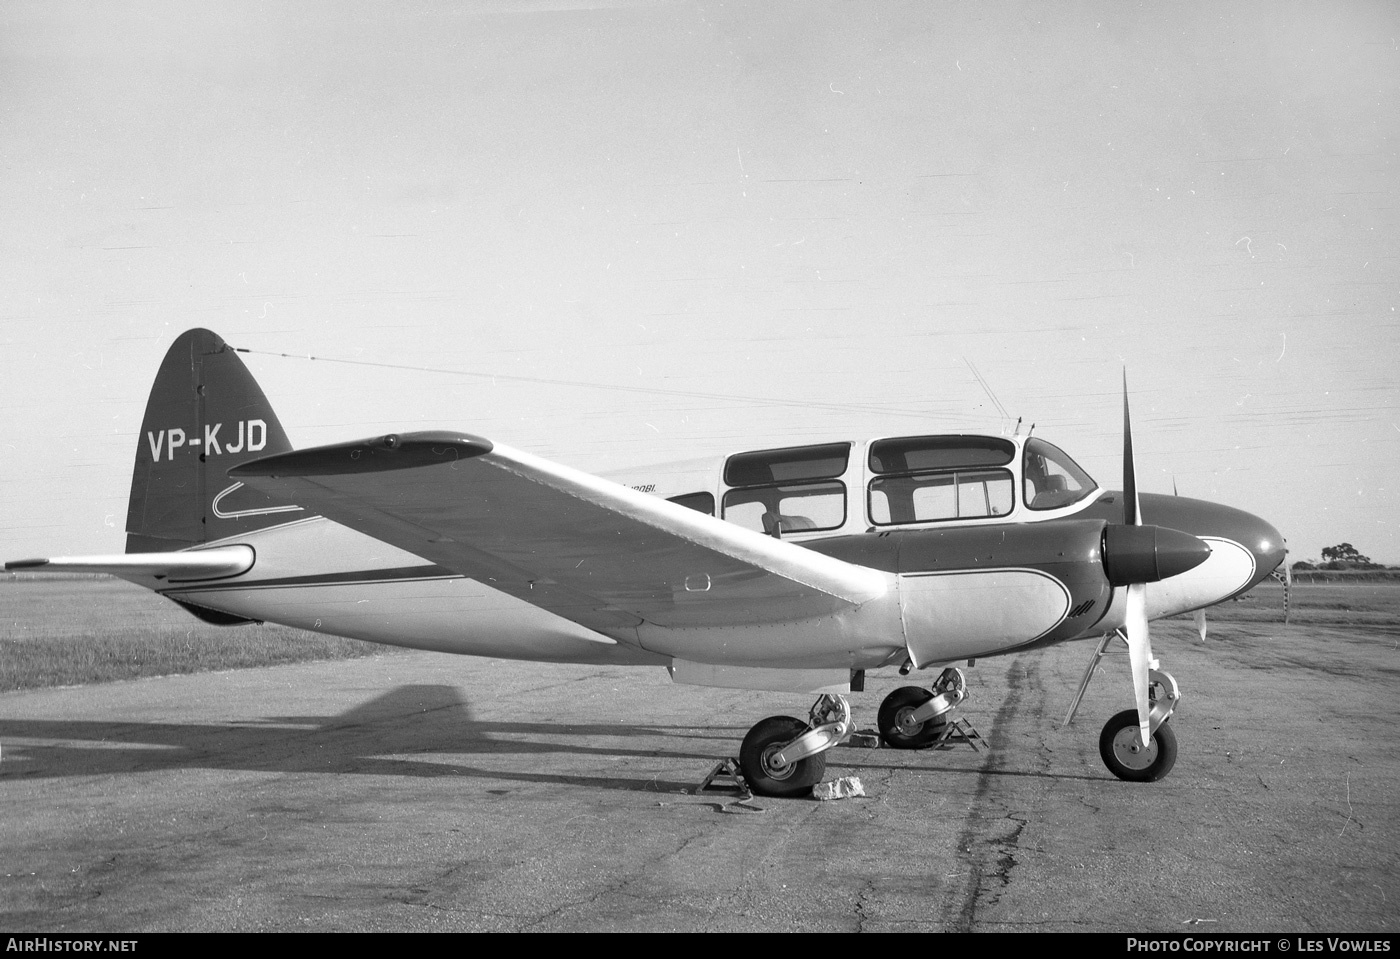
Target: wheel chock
<point x="847" y="787"/>
<point x="863" y="739"/>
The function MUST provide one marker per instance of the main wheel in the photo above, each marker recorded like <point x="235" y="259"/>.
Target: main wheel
<point x="896" y="728"/>
<point x="1120" y="745"/>
<point x="767" y="737"/>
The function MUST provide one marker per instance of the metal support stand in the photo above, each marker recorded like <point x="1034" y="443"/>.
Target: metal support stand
<point x="959" y="731"/>
<point x="726" y="777"/>
<point x="1089" y="673"/>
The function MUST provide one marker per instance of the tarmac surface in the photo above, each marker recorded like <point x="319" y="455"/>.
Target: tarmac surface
<point x="415" y="791"/>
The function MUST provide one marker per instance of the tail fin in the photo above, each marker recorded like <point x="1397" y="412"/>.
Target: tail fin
<point x="205" y="415"/>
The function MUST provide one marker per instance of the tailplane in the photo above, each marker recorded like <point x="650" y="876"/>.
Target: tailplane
<point x="206" y="414"/>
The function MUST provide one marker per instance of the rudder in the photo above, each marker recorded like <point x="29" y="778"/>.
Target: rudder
<point x="206" y="414"/>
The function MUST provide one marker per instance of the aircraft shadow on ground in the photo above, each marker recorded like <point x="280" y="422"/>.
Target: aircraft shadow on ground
<point x="377" y="738"/>
<point x="381" y="737"/>
<point x="841" y="760"/>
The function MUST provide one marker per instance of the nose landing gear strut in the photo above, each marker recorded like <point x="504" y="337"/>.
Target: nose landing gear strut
<point x="1120" y="742"/>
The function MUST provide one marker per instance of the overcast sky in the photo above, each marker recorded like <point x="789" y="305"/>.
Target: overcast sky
<point x="747" y="224"/>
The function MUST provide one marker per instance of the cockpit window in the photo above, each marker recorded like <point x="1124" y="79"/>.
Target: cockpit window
<point x="1052" y="479"/>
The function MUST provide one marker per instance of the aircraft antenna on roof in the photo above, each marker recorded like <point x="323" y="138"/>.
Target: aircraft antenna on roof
<point x="986" y="388"/>
<point x="920" y="413"/>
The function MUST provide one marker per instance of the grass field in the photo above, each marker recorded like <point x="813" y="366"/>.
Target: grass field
<point x="1373" y="603"/>
<point x="71" y="631"/>
<point x="66" y="632"/>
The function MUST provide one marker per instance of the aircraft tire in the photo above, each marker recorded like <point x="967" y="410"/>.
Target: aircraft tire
<point x="898" y="733"/>
<point x="1120" y="747"/>
<point x="765" y="738"/>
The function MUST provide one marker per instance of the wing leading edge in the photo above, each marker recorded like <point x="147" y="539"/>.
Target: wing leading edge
<point x="592" y="551"/>
<point x="185" y="566"/>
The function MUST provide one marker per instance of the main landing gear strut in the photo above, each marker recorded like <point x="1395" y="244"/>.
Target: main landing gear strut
<point x="915" y="718"/>
<point x="783" y="756"/>
<point x="1120" y="743"/>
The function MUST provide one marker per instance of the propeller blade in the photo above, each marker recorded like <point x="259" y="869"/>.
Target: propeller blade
<point x="1132" y="512"/>
<point x="1200" y="616"/>
<point x="1140" y="654"/>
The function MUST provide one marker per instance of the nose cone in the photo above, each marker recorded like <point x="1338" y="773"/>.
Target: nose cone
<point x="1266" y="543"/>
<point x="1177" y="552"/>
<point x="1149" y="554"/>
<point x="1260" y="539"/>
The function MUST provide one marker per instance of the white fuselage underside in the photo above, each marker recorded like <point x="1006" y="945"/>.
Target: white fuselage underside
<point x="318" y="575"/>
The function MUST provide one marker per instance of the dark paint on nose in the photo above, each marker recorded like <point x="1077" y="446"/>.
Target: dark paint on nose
<point x="1201" y="518"/>
<point x="1266" y="543"/>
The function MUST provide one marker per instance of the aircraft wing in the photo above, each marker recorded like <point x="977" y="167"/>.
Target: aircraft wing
<point x="597" y="553"/>
<point x="184" y="566"/>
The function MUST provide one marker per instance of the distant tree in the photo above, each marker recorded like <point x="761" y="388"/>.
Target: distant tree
<point x="1346" y="556"/>
<point x="1344" y="553"/>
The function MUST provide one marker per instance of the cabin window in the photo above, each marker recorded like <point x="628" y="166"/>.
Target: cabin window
<point x="1052" y="479"/>
<point x="792" y="464"/>
<point x="700" y="502"/>
<point x="907" y="454"/>
<point x="789" y="490"/>
<point x="787" y="508"/>
<point x="925" y="497"/>
<point x="929" y="478"/>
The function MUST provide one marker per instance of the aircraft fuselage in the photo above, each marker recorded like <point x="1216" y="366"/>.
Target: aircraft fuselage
<point x="955" y="592"/>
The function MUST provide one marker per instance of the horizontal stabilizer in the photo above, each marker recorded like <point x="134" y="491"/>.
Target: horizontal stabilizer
<point x="187" y="566"/>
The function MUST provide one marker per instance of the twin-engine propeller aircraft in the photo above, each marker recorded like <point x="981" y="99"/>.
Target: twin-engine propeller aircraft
<point x="793" y="569"/>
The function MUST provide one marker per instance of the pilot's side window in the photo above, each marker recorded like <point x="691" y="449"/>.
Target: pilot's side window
<point x="1052" y="479"/>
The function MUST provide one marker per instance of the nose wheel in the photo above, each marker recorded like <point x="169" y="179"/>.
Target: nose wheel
<point x="1122" y="751"/>
<point x="1120" y="743"/>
